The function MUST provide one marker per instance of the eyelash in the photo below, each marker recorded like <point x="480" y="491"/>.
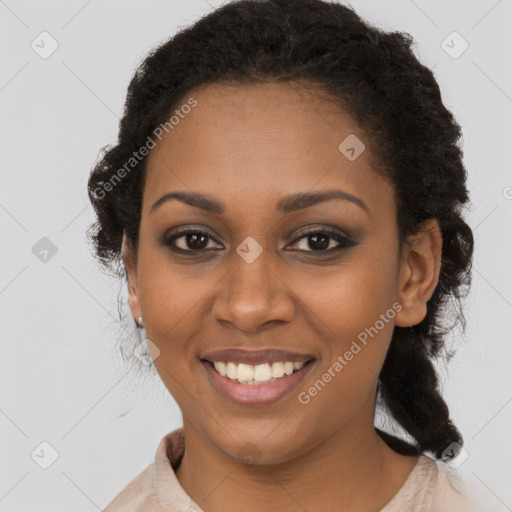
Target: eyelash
<point x="344" y="241"/>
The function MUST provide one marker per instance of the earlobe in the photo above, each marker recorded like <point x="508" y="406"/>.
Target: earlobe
<point x="419" y="272"/>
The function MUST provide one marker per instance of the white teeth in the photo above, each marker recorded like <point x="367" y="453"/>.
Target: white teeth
<point x="288" y="368"/>
<point x="262" y="372"/>
<point x="221" y="368"/>
<point x="256" y="374"/>
<point x="245" y="372"/>
<point x="232" y="371"/>
<point x="277" y="370"/>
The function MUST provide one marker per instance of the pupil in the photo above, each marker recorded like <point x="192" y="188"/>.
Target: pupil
<point x="322" y="245"/>
<point x="194" y="237"/>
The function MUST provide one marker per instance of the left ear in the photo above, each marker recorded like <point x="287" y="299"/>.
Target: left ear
<point x="420" y="265"/>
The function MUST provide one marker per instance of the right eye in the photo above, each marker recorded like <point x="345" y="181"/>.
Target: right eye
<point x="190" y="240"/>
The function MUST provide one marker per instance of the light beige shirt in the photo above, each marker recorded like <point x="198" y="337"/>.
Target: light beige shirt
<point x="430" y="487"/>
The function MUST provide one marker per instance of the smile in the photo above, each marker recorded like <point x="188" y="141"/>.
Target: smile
<point x="261" y="384"/>
<point x="256" y="374"/>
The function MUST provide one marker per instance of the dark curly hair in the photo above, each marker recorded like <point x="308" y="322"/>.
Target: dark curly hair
<point x="375" y="76"/>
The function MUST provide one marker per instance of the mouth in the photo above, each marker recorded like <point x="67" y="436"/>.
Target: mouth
<point x="256" y="384"/>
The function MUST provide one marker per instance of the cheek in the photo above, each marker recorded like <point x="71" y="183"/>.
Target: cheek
<point x="357" y="325"/>
<point x="172" y="304"/>
<point x="351" y="297"/>
<point x="353" y="311"/>
<point x="170" y="293"/>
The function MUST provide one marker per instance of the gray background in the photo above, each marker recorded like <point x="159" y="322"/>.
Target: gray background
<point x="62" y="379"/>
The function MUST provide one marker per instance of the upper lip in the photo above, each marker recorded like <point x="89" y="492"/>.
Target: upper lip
<point x="253" y="357"/>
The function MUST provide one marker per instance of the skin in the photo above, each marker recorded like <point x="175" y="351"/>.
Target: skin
<point x="248" y="146"/>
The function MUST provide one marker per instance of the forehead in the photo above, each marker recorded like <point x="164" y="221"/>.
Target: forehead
<point x="259" y="142"/>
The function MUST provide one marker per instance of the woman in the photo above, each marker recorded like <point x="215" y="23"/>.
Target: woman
<point x="285" y="203"/>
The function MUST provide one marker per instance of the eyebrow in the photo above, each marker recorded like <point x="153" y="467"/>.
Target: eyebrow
<point x="286" y="204"/>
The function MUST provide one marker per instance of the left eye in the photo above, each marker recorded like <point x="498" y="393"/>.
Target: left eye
<point x="320" y="240"/>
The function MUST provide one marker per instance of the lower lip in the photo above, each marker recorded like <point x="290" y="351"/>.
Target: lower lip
<point x="255" y="394"/>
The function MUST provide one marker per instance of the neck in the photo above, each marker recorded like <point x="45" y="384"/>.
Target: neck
<point x="352" y="466"/>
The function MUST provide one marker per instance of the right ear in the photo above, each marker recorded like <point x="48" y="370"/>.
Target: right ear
<point x="130" y="263"/>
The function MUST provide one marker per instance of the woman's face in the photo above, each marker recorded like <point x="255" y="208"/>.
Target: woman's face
<point x="257" y="280"/>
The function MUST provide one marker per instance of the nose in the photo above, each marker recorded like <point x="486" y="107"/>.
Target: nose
<point x="253" y="297"/>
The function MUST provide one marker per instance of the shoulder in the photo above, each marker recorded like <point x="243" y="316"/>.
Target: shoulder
<point x="157" y="488"/>
<point x="451" y="493"/>
<point x="432" y="486"/>
<point x="138" y="496"/>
